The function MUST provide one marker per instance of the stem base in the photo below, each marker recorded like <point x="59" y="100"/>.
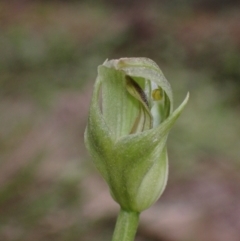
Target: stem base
<point x="126" y="226"/>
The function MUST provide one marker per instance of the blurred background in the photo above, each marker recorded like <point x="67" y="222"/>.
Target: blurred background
<point x="49" y="53"/>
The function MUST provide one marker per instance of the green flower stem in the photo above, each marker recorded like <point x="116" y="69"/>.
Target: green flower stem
<point x="126" y="226"/>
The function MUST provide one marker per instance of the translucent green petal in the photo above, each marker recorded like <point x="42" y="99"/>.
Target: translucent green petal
<point x="135" y="156"/>
<point x="119" y="108"/>
<point x="97" y="136"/>
<point x="153" y="183"/>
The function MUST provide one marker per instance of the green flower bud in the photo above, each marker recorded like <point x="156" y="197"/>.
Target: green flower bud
<point x="130" y="116"/>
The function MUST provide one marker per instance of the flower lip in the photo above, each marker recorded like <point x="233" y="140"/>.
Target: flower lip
<point x="143" y="120"/>
<point x="138" y="89"/>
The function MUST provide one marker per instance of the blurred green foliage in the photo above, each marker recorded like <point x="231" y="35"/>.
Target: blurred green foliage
<point x="50" y="48"/>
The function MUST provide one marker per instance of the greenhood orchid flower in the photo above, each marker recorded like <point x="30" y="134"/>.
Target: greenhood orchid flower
<point x="130" y="116"/>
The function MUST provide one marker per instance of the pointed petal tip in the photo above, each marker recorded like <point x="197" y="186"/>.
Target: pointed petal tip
<point x="185" y="101"/>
